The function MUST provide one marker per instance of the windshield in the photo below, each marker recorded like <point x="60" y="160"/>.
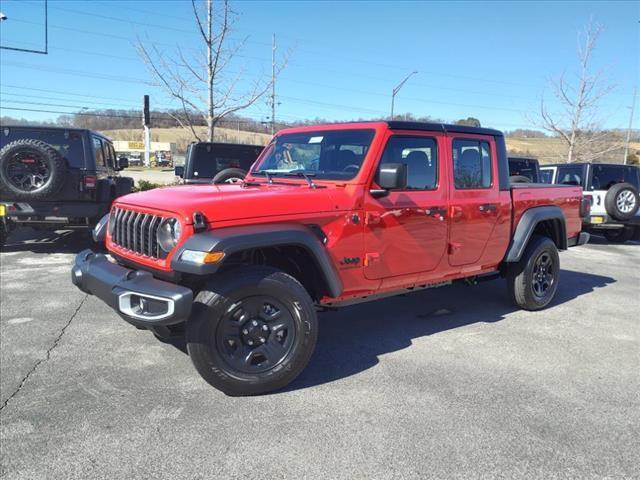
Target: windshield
<point x="524" y="168"/>
<point x="326" y="155"/>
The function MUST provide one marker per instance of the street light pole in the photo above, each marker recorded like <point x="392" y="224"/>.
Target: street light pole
<point x="397" y="89"/>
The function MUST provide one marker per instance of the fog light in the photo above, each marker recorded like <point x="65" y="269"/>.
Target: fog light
<point x="145" y="307"/>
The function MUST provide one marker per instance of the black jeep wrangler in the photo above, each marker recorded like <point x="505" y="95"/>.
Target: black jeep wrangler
<point x="217" y="162"/>
<point x="52" y="178"/>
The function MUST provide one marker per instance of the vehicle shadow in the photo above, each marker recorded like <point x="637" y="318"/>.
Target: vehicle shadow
<point x="352" y="339"/>
<point x="595" y="239"/>
<point x="59" y="241"/>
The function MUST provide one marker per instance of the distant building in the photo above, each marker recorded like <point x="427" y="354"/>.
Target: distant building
<point x="162" y="153"/>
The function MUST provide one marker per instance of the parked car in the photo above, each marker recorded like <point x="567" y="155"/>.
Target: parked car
<point x="327" y="217"/>
<point x="217" y="162"/>
<point x="163" y="159"/>
<point x="613" y="191"/>
<point x="135" y="159"/>
<point x="52" y="178"/>
<point x="524" y="170"/>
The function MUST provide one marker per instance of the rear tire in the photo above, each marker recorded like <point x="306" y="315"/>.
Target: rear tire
<point x="230" y="175"/>
<point x="252" y="331"/>
<point x="31" y="170"/>
<point x="621" y="201"/>
<point x="533" y="281"/>
<point x="619" y="235"/>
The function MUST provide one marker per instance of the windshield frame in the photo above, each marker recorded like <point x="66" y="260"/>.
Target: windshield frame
<point x="317" y="175"/>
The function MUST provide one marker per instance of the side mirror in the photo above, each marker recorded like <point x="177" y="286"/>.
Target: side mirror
<point x="123" y="162"/>
<point x="179" y="171"/>
<point x="392" y="176"/>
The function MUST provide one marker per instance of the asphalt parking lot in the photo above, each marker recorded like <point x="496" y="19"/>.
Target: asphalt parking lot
<point x="446" y="383"/>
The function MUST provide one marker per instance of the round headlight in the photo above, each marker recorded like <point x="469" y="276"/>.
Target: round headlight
<point x="169" y="233"/>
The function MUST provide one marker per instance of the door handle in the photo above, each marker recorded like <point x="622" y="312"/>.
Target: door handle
<point x="436" y="212"/>
<point x="488" y="207"/>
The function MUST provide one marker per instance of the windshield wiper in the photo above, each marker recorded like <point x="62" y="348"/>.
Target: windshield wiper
<point x="301" y="173"/>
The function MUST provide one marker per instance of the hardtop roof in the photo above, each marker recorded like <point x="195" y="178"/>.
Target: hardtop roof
<point x="55" y="127"/>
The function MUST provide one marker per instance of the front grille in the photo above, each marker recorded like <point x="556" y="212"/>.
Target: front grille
<point x="137" y="231"/>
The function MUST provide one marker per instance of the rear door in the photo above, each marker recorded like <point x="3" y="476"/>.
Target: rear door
<point x="474" y="196"/>
<point x="406" y="231"/>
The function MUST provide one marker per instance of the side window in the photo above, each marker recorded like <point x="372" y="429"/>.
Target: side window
<point x="569" y="175"/>
<point x="546" y="175"/>
<point x="100" y="157"/>
<point x="471" y="164"/>
<point x="110" y="154"/>
<point x="420" y="154"/>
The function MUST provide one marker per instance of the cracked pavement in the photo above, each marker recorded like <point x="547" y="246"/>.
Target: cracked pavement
<point x="445" y="383"/>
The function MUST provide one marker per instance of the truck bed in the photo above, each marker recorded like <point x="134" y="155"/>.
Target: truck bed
<point x="567" y="197"/>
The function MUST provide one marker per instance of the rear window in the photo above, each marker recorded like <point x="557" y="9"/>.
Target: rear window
<point x="207" y="160"/>
<point x="67" y="143"/>
<point x="603" y="177"/>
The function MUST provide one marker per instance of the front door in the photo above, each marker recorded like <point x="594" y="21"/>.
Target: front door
<point x="407" y="230"/>
<point x="474" y="197"/>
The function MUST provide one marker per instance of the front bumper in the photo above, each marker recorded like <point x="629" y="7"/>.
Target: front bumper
<point x="136" y="295"/>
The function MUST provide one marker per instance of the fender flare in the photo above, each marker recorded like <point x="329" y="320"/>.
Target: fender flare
<point x="528" y="223"/>
<point x="236" y="239"/>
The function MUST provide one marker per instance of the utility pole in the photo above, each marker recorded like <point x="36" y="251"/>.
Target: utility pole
<point x="626" y="145"/>
<point x="146" y="121"/>
<point x="273" y="86"/>
<point x="397" y="89"/>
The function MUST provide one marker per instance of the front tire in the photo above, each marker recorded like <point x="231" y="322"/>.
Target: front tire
<point x="252" y="331"/>
<point x="533" y="281"/>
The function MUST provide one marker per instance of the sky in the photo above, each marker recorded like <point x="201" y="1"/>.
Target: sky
<point x="489" y="60"/>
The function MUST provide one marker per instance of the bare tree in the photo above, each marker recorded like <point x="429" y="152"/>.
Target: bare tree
<point x="576" y="123"/>
<point x="201" y="83"/>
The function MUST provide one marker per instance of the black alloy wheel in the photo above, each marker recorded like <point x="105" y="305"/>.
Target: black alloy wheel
<point x="27" y="170"/>
<point x="256" y="334"/>
<point x="543" y="275"/>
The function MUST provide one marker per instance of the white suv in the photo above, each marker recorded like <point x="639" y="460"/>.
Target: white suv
<point x="613" y="190"/>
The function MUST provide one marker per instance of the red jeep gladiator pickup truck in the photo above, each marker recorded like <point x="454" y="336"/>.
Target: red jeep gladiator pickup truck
<point x="327" y="216"/>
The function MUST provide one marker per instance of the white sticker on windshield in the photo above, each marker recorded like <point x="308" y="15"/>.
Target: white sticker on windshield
<point x="315" y="139"/>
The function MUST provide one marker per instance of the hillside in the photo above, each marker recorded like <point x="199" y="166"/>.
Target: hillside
<point x="550" y="150"/>
<point x="182" y="138"/>
<point x="546" y="149"/>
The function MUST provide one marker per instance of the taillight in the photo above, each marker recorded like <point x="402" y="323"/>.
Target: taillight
<point x="585" y="206"/>
<point x="89" y="181"/>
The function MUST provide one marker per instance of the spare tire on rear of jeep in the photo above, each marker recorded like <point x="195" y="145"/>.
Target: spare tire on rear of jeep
<point x="621" y="201"/>
<point x="31" y="170"/>
<point x="230" y="175"/>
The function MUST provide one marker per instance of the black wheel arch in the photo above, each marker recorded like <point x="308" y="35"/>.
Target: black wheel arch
<point x="548" y="221"/>
<point x="293" y="248"/>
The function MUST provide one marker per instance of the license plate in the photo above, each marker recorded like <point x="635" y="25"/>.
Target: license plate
<point x="597" y="219"/>
<point x="3" y="210"/>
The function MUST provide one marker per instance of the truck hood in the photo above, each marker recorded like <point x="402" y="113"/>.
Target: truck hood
<point x="233" y="202"/>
